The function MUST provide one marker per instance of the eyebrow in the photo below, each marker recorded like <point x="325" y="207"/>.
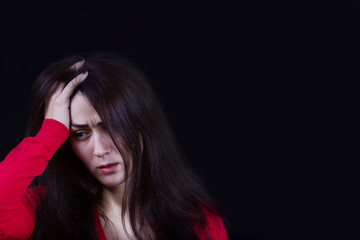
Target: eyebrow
<point x="84" y="125"/>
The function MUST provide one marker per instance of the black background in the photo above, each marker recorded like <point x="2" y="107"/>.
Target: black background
<point x="260" y="95"/>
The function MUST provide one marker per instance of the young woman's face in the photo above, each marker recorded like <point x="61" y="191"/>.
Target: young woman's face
<point x="93" y="145"/>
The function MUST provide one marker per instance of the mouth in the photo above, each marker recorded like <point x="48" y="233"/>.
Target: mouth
<point x="108" y="168"/>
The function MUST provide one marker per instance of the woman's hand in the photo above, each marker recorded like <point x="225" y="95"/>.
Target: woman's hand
<point x="58" y="104"/>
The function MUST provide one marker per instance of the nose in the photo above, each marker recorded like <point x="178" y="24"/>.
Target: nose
<point x="101" y="145"/>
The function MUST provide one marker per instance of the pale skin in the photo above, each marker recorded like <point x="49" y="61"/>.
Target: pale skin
<point x="93" y="145"/>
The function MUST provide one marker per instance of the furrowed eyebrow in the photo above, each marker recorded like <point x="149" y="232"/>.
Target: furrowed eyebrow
<point x="84" y="125"/>
<point x="79" y="125"/>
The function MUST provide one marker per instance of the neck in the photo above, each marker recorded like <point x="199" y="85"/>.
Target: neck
<point x="112" y="198"/>
<point x="111" y="204"/>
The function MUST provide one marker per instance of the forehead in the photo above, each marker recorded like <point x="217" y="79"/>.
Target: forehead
<point x="82" y="112"/>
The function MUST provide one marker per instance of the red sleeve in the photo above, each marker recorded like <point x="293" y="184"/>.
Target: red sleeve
<point x="26" y="161"/>
<point x="217" y="228"/>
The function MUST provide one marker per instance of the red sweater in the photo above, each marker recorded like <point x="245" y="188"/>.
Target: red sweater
<point x="28" y="160"/>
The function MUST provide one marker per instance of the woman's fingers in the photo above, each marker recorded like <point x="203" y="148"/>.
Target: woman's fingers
<point x="58" y="89"/>
<point x="70" y="87"/>
<point x="57" y="106"/>
<point x="77" y="65"/>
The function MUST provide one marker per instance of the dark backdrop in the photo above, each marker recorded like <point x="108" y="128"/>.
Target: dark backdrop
<point x="260" y="95"/>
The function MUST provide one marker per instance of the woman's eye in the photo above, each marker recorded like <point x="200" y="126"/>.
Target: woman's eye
<point x="80" y="134"/>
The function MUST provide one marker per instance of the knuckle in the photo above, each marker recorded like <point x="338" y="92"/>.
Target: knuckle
<point x="76" y="81"/>
<point x="72" y="84"/>
<point x="58" y="101"/>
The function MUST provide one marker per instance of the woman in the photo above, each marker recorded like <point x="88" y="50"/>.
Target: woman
<point x="100" y="162"/>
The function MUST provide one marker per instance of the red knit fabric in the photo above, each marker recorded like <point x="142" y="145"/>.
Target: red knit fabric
<point x="28" y="160"/>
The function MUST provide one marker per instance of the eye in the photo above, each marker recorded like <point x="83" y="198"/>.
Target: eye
<point x="80" y="134"/>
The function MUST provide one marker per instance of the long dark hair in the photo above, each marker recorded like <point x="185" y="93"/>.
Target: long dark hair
<point x="163" y="198"/>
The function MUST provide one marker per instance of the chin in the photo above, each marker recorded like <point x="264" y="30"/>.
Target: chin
<point x="111" y="182"/>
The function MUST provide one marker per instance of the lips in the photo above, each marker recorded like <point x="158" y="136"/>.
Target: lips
<point x="108" y="168"/>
